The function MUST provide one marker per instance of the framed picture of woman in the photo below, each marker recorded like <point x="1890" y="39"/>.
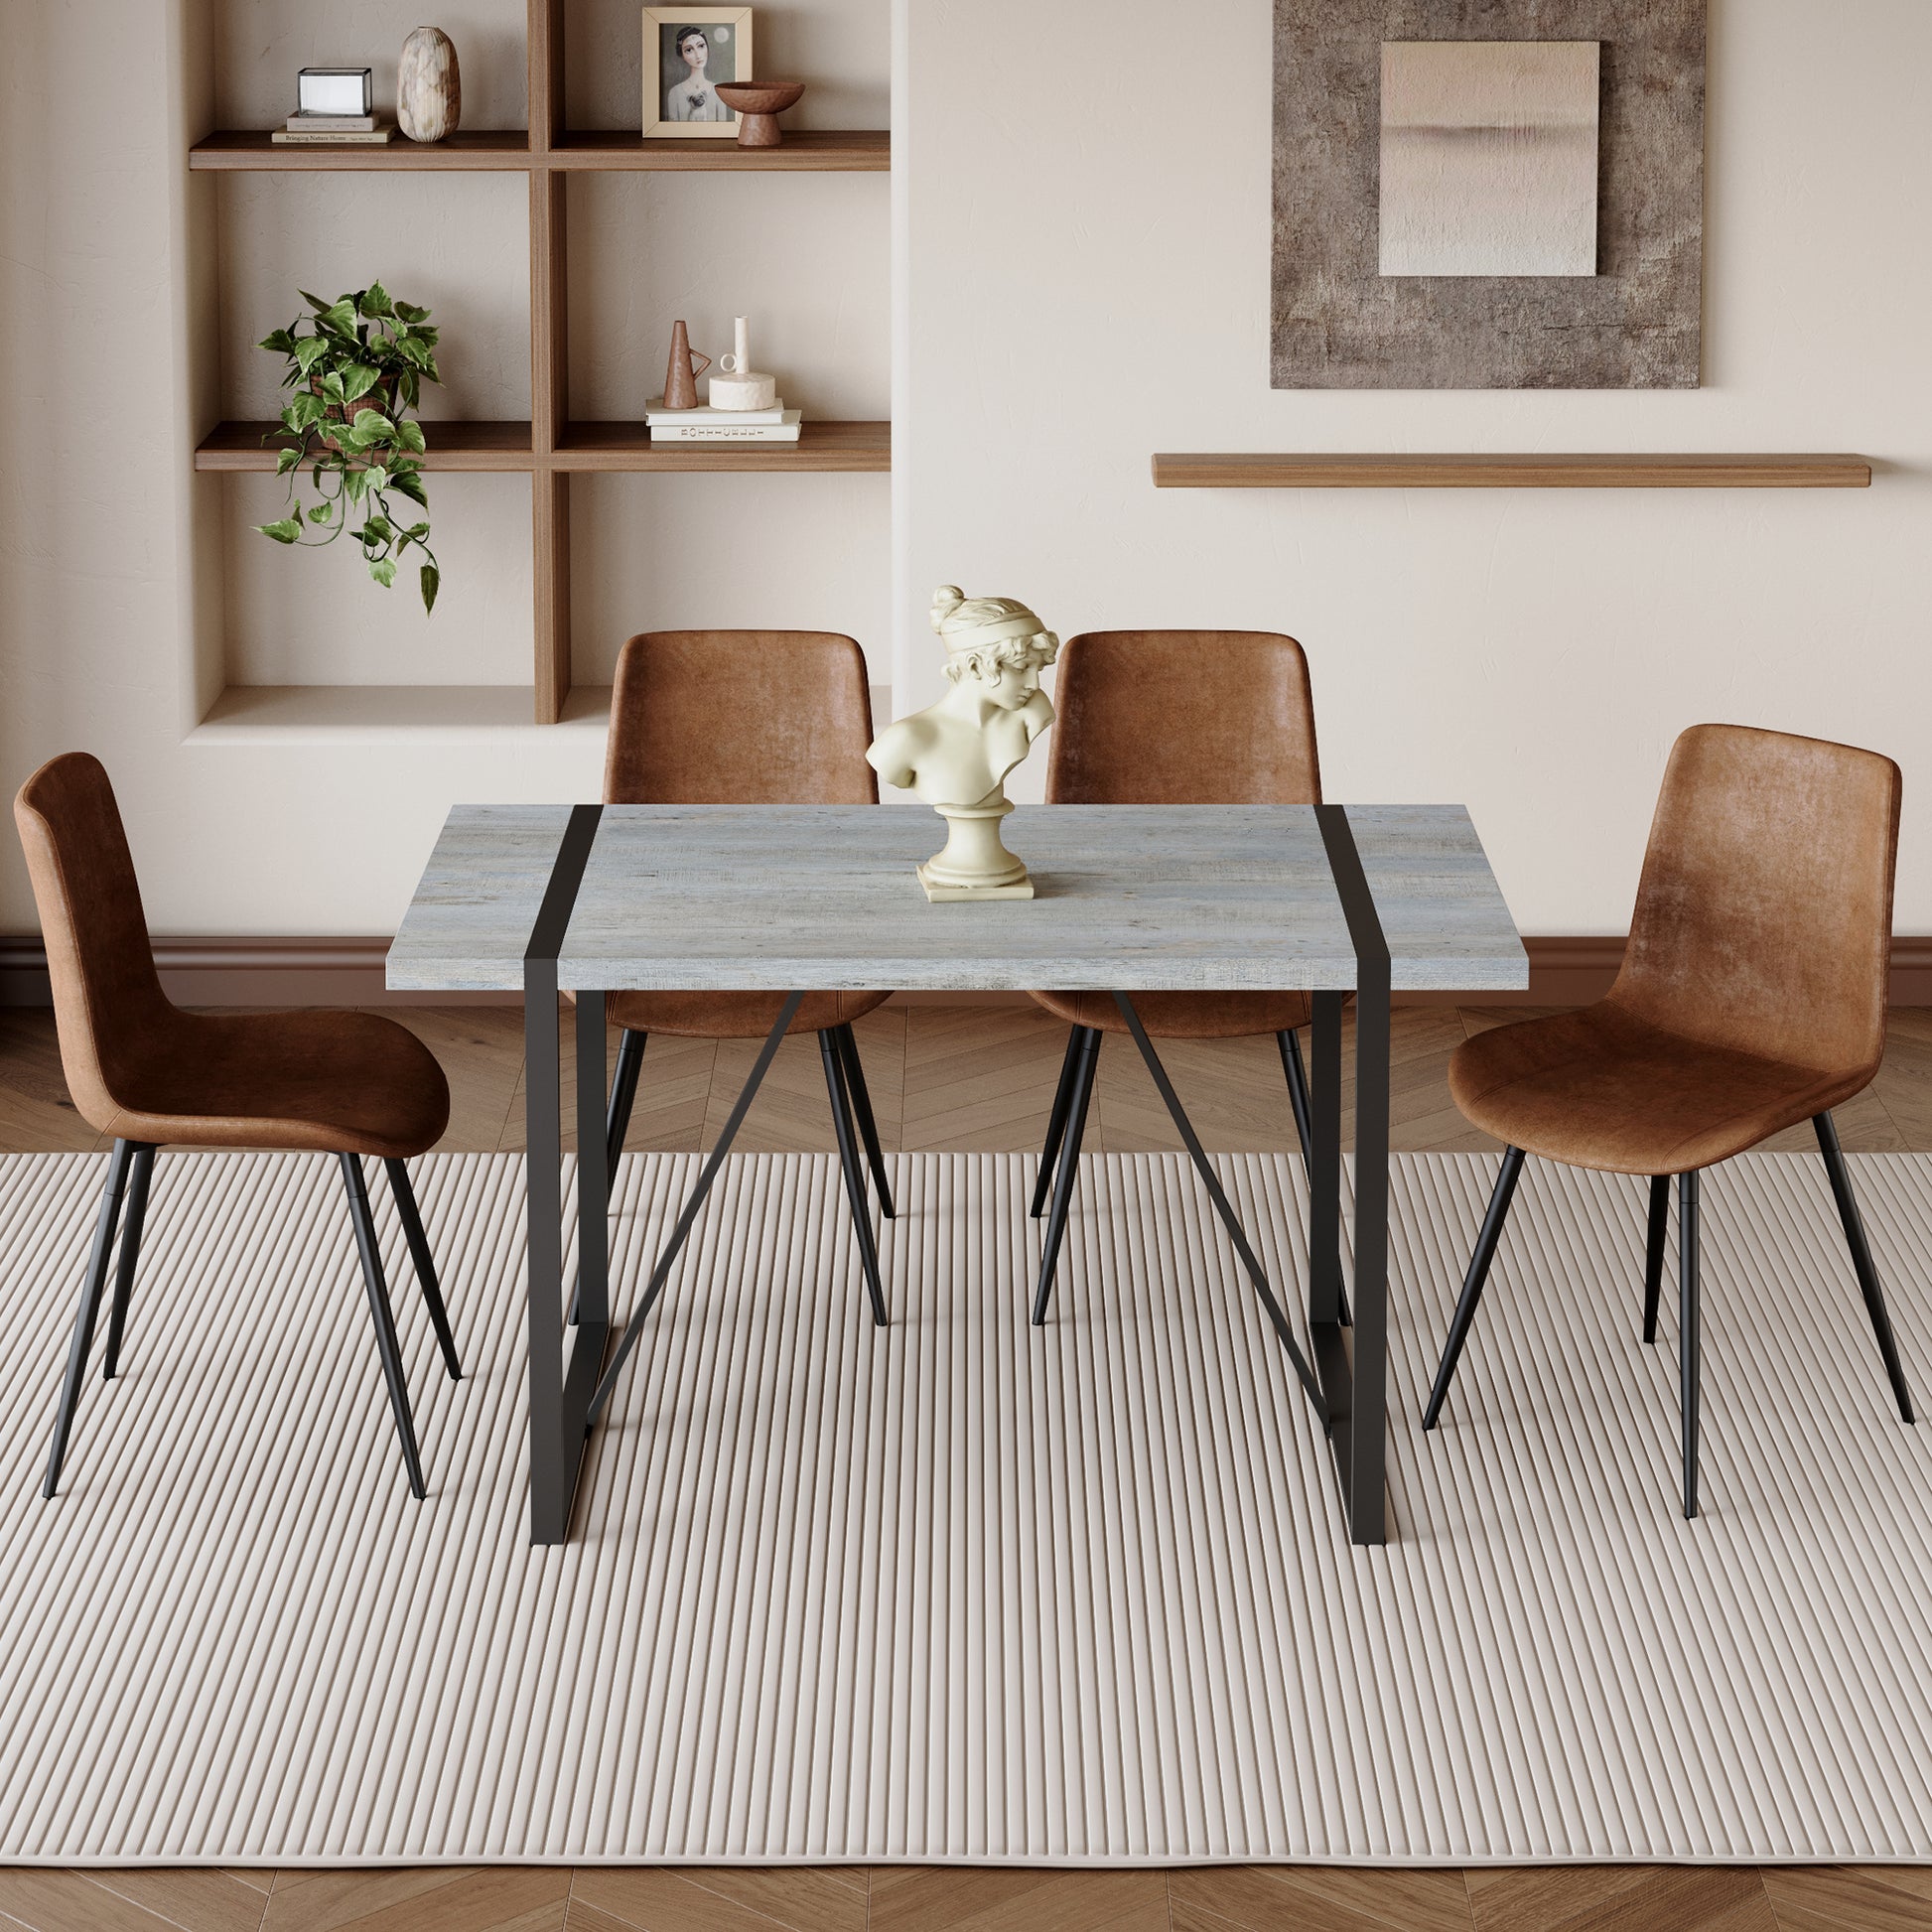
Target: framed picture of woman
<point x="687" y="52"/>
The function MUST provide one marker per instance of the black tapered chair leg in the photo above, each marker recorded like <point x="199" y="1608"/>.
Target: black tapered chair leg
<point x="1068" y="1166"/>
<point x="1862" y="1262"/>
<point x="1689" y="1341"/>
<point x="1056" y="1121"/>
<point x="134" y="1219"/>
<point x="385" y="1326"/>
<point x="861" y="1098"/>
<point x="411" y="1217"/>
<point x="93" y="1284"/>
<point x="1653" y="1252"/>
<point x="624" y="1096"/>
<point x="854" y="1179"/>
<point x="1296" y="1074"/>
<point x="1474" y="1281"/>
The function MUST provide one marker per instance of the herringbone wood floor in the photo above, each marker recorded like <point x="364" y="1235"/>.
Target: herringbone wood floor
<point x="963" y="1077"/>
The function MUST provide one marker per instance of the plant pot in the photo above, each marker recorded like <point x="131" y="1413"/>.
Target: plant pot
<point x="382" y="397"/>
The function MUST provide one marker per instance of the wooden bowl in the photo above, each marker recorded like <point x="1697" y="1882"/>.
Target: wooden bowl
<point x="757" y="104"/>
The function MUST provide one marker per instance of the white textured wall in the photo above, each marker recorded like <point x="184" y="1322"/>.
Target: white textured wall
<point x="1085" y="291"/>
<point x="1080" y="290"/>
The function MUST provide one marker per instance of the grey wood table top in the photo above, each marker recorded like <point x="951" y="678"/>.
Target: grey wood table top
<point x="741" y="898"/>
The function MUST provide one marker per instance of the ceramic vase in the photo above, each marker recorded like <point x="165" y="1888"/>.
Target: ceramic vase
<point x="429" y="87"/>
<point x="680" y="377"/>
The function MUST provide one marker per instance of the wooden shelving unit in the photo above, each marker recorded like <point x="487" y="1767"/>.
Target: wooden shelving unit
<point x="233" y="447"/>
<point x="1270" y="471"/>
<point x="508" y="151"/>
<point x="239" y="149"/>
<point x="551" y="448"/>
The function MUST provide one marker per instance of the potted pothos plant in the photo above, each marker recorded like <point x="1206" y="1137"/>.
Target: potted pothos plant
<point x="356" y="366"/>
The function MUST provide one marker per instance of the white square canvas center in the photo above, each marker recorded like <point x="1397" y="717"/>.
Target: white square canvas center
<point x="1489" y="157"/>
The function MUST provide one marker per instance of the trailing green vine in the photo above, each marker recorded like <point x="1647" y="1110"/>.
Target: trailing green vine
<point x="356" y="364"/>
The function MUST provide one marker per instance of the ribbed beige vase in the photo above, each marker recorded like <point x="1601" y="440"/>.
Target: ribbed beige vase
<point x="429" y="87"/>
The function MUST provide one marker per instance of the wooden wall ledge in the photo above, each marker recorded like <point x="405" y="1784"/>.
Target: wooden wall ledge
<point x="1266" y="471"/>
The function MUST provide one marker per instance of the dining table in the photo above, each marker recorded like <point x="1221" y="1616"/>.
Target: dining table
<point x="1343" y="902"/>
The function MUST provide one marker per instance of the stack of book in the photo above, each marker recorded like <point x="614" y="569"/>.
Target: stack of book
<point x="357" y="130"/>
<point x="774" y="425"/>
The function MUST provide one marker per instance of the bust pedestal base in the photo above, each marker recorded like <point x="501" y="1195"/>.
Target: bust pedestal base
<point x="944" y="895"/>
<point x="975" y="862"/>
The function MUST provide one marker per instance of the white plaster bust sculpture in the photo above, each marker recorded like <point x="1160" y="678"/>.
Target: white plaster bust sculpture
<point x="955" y="754"/>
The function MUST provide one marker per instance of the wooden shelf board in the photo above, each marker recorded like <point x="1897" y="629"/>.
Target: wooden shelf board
<point x="251" y="148"/>
<point x="452" y="445"/>
<point x="859" y="150"/>
<point x="1675" y="472"/>
<point x="820" y="446"/>
<point x="255" y="714"/>
<point x="847" y="151"/>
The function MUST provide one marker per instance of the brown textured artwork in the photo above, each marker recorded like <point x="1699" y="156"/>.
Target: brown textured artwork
<point x="1341" y="323"/>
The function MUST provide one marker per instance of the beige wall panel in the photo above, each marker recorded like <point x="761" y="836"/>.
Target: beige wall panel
<point x="806" y="256"/>
<point x="753" y="552"/>
<point x="1530" y="652"/>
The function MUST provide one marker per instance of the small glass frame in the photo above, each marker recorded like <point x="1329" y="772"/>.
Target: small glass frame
<point x="687" y="52"/>
<point x="333" y="90"/>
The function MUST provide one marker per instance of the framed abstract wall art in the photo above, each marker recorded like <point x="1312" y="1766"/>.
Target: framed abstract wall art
<point x="1488" y="194"/>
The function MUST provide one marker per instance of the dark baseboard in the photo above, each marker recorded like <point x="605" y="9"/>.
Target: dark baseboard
<point x="243" y="971"/>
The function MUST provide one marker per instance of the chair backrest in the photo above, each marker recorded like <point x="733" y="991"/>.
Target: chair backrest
<point x="1763" y="917"/>
<point x="740" y="718"/>
<point x="107" y="999"/>
<point x="1183" y="718"/>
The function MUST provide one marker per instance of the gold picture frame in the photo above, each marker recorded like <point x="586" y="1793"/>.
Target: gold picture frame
<point x="680" y="101"/>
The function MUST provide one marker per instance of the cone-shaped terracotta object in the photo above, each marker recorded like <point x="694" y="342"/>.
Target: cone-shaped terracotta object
<point x="680" y="379"/>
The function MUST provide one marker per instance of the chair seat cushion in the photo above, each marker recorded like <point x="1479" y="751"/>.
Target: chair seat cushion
<point x="334" y="1082"/>
<point x="1603" y="1088"/>
<point x="734" y="1015"/>
<point x="1184" y="1015"/>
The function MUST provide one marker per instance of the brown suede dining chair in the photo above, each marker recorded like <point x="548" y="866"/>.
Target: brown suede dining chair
<point x="750" y="717"/>
<point x="138" y="1068"/>
<point x="1751" y="997"/>
<point x="1171" y="718"/>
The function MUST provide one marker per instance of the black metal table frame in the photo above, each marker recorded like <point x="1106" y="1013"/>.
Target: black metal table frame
<point x="568" y="1395"/>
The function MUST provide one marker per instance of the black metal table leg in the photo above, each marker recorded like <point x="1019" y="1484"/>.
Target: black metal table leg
<point x="1361" y="1446"/>
<point x="591" y="1295"/>
<point x="660" y="1274"/>
<point x="1325" y="1166"/>
<point x="1224" y="1207"/>
<point x="1369" y="1419"/>
<point x="556" y="1449"/>
<point x="1474" y="1280"/>
<point x="1304" y="1110"/>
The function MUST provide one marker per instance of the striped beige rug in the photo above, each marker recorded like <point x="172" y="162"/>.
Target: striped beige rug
<point x="965" y="1590"/>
